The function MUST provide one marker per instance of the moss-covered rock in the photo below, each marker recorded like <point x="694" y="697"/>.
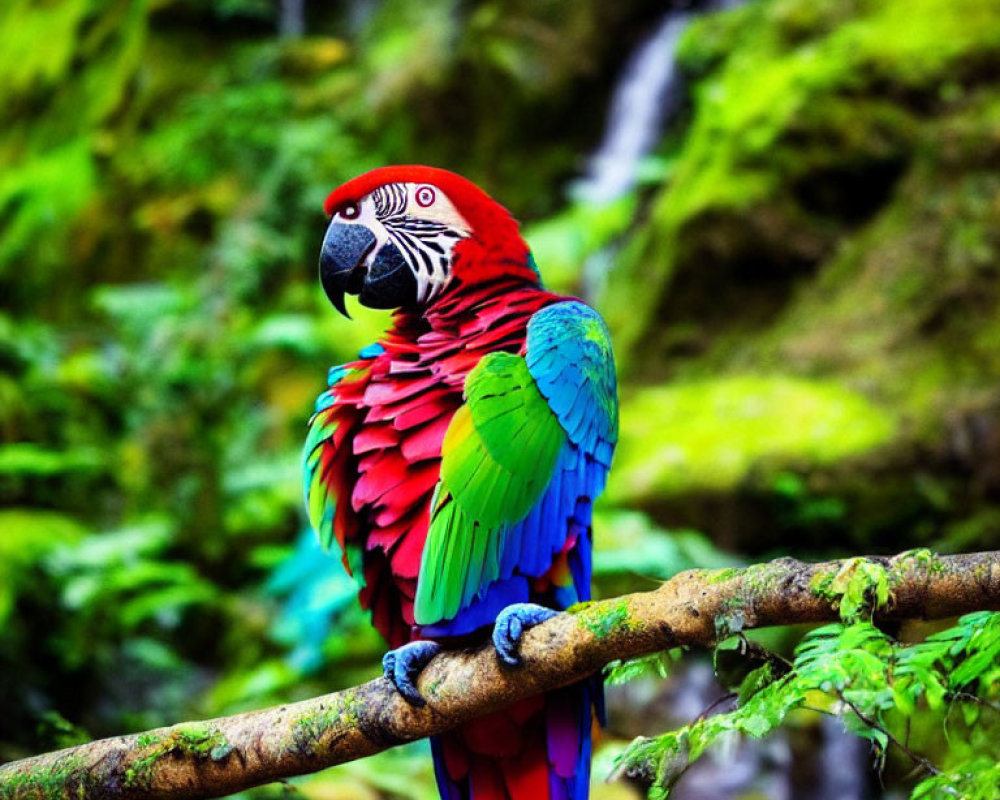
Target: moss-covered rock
<point x="708" y="435"/>
<point x="830" y="221"/>
<point x="805" y="116"/>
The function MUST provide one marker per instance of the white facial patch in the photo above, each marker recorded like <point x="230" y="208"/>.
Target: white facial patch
<point x="422" y="222"/>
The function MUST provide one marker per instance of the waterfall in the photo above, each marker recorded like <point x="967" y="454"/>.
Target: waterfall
<point x="649" y="89"/>
<point x="292" y="19"/>
<point x="648" y="92"/>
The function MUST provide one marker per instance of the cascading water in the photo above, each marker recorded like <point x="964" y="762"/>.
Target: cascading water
<point x="647" y="92"/>
<point x="292" y="19"/>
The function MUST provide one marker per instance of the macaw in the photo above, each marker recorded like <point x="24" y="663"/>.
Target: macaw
<point x="456" y="462"/>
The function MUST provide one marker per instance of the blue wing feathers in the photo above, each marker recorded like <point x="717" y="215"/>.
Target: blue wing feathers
<point x="568" y="354"/>
<point x="526" y="549"/>
<point x="335" y="373"/>
<point x="325" y="400"/>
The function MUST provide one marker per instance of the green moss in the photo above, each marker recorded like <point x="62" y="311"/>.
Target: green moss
<point x="709" y="435"/>
<point x="601" y="621"/>
<point x="790" y="90"/>
<point x="199" y="739"/>
<point x="760" y="579"/>
<point x="195" y="739"/>
<point x="311" y="727"/>
<point x="780" y="62"/>
<point x="148" y="739"/>
<point x="921" y="559"/>
<point x="722" y="575"/>
<point x="67" y="778"/>
<point x="982" y="571"/>
<point x="829" y="222"/>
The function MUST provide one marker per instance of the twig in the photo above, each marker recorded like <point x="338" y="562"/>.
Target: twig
<point x="968" y="697"/>
<point x="916" y="758"/>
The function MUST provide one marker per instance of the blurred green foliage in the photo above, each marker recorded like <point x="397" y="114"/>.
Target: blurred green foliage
<point x="708" y="434"/>
<point x="803" y="294"/>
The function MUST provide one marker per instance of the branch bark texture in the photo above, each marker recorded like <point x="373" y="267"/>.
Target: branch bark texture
<point x="226" y="755"/>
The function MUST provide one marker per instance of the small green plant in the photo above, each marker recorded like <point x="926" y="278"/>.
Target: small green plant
<point x="856" y="589"/>
<point x="656" y="665"/>
<point x="877" y="686"/>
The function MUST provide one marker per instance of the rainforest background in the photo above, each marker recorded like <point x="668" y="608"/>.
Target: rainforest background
<point x="801" y="272"/>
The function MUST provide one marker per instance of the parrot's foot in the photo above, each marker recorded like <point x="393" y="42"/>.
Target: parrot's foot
<point x="402" y="665"/>
<point x="510" y="626"/>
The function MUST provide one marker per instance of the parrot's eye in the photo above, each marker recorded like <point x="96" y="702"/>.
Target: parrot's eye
<point x="425" y="196"/>
<point x="349" y="211"/>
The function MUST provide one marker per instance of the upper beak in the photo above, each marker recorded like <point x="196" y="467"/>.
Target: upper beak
<point x="347" y="264"/>
<point x="342" y="261"/>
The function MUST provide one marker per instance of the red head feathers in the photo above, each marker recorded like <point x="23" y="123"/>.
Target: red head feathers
<point x="490" y="221"/>
<point x="399" y="236"/>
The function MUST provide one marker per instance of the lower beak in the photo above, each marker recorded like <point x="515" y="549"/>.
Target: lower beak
<point x="347" y="266"/>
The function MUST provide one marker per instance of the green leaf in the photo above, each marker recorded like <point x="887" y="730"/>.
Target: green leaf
<point x="657" y="664"/>
<point x="859" y="667"/>
<point x="40" y="462"/>
<point x="27" y="538"/>
<point x="755" y="681"/>
<point x="858" y="588"/>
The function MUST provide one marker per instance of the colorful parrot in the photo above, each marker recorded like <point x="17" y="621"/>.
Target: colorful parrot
<point x="456" y="462"/>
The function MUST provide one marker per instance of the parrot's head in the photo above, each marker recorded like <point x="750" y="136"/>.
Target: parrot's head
<point x="399" y="235"/>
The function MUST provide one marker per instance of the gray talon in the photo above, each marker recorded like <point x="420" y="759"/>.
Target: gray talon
<point x="510" y="626"/>
<point x="402" y="666"/>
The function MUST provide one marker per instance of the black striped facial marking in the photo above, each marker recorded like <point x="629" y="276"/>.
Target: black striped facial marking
<point x="422" y="222"/>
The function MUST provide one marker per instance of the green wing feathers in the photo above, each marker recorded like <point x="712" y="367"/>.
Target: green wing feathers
<point x="498" y="457"/>
<point x="500" y="449"/>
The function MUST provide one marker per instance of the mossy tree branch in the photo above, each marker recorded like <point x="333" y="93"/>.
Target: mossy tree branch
<point x="230" y="754"/>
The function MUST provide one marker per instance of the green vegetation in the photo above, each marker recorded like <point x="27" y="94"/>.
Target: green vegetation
<point x="657" y="665"/>
<point x="803" y="295"/>
<point x="603" y="622"/>
<point x="709" y="434"/>
<point x="191" y="738"/>
<point x="826" y="222"/>
<point x="860" y="586"/>
<point x="904" y="699"/>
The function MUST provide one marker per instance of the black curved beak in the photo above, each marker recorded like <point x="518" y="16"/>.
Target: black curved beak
<point x="342" y="261"/>
<point x="387" y="282"/>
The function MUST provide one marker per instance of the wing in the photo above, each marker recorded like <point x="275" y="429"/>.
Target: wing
<point x="522" y="462"/>
<point x="333" y="422"/>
